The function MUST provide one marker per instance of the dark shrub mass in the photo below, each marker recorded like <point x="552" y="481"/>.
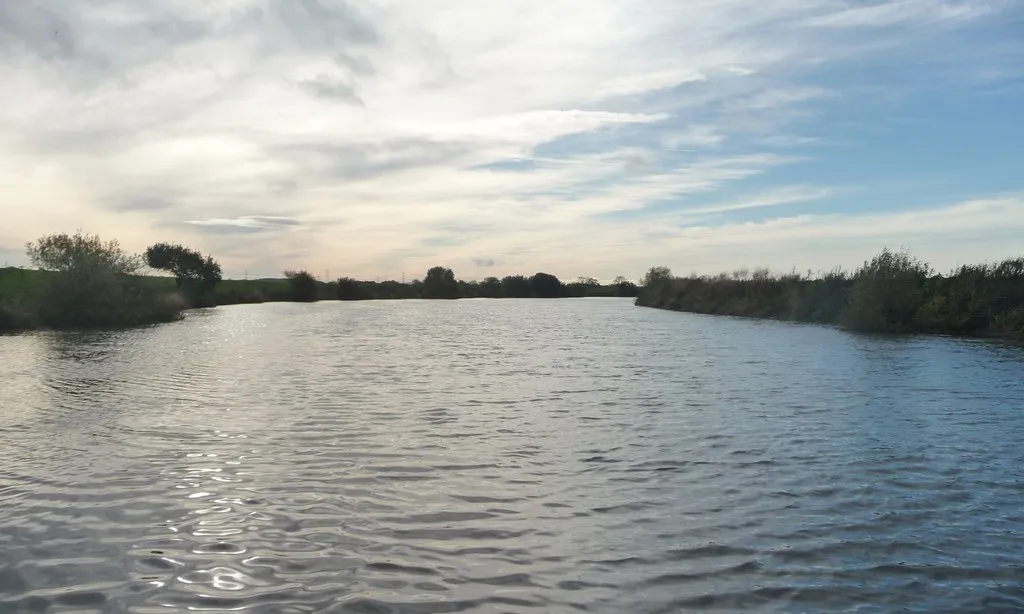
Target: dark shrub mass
<point x="94" y="283"/>
<point x="195" y="275"/>
<point x="546" y="285"/>
<point x="303" y="286"/>
<point x="893" y="292"/>
<point x="440" y="283"/>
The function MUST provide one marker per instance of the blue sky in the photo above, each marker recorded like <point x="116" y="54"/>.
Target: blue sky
<point x="376" y="138"/>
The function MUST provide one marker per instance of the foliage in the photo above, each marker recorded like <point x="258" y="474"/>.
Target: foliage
<point x="303" y="286"/>
<point x="349" y="289"/>
<point x="624" y="287"/>
<point x="975" y="298"/>
<point x="440" y="284"/>
<point x="656" y="276"/>
<point x="886" y="293"/>
<point x="490" y="288"/>
<point x="516" y="286"/>
<point x="546" y="285"/>
<point x="80" y="252"/>
<point x="195" y="274"/>
<point x="14" y="317"/>
<point x="893" y="292"/>
<point x="94" y="284"/>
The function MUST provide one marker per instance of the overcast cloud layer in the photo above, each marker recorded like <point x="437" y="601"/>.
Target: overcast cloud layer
<point x="379" y="138"/>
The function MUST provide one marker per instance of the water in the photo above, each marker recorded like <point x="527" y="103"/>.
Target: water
<point x="507" y="456"/>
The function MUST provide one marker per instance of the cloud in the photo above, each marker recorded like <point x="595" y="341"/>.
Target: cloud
<point x="386" y="135"/>
<point x="243" y="225"/>
<point x="648" y="82"/>
<point x="900" y="12"/>
<point x="694" y="136"/>
<point x="779" y="97"/>
<point x="130" y="204"/>
<point x="328" y="87"/>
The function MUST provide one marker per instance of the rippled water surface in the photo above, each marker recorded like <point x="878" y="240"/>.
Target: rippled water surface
<point x="507" y="456"/>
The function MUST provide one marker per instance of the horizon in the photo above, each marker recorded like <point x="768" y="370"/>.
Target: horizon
<point x="373" y="137"/>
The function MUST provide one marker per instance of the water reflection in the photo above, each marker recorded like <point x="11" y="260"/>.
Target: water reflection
<point x="517" y="456"/>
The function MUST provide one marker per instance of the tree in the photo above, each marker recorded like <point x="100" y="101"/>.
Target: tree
<point x="350" y="290"/>
<point x="624" y="287"/>
<point x="303" y="286"/>
<point x="81" y="252"/>
<point x="490" y="287"/>
<point x="887" y="293"/>
<point x="546" y="285"/>
<point x="656" y="276"/>
<point x="516" y="286"/>
<point x="440" y="283"/>
<point x="194" y="273"/>
<point x="94" y="283"/>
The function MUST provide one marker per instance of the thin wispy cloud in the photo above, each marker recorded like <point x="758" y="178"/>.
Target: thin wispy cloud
<point x="373" y="136"/>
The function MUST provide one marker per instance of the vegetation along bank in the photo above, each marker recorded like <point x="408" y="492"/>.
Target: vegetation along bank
<point x="893" y="292"/>
<point x="83" y="281"/>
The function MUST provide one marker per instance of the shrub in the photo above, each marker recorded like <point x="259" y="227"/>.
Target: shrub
<point x="95" y="285"/>
<point x="303" y="286"/>
<point x="887" y="293"/>
<point x="195" y="275"/>
<point x="440" y="283"/>
<point x="349" y="289"/>
<point x="14" y="317"/>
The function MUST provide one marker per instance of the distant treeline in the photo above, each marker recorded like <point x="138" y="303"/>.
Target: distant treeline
<point x="894" y="292"/>
<point x="82" y="281"/>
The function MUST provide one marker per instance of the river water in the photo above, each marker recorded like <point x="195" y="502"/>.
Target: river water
<point x="507" y="456"/>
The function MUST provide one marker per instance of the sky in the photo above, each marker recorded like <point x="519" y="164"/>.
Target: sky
<point x="377" y="138"/>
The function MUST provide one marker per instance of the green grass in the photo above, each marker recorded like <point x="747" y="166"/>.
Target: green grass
<point x="18" y="285"/>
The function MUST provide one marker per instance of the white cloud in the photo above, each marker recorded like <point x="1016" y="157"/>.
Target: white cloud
<point x="693" y="136"/>
<point x="901" y="11"/>
<point x="362" y="135"/>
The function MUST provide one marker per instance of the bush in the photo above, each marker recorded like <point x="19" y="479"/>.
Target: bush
<point x="95" y="284"/>
<point x="546" y="285"/>
<point x="887" y="293"/>
<point x="15" y="318"/>
<point x="195" y="275"/>
<point x="349" y="289"/>
<point x="303" y="286"/>
<point x="893" y="293"/>
<point x="440" y="283"/>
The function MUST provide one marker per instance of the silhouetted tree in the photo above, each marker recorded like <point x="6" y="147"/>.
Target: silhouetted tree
<point x="349" y="289"/>
<point x="440" y="283"/>
<point x="195" y="274"/>
<point x="624" y="287"/>
<point x="583" y="286"/>
<point x="516" y="286"/>
<point x="887" y="293"/>
<point x="546" y="285"/>
<point x="95" y="283"/>
<point x="656" y="275"/>
<point x="81" y="252"/>
<point x="303" y="286"/>
<point x="490" y="287"/>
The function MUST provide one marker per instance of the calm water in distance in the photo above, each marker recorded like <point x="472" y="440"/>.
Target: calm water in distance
<point x="507" y="456"/>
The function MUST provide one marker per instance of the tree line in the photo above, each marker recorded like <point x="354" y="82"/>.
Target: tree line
<point x="83" y="281"/>
<point x="894" y="292"/>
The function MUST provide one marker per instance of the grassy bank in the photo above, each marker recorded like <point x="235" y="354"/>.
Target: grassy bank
<point x="893" y="293"/>
<point x="31" y="299"/>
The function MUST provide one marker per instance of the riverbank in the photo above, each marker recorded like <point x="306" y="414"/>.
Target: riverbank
<point x="27" y="297"/>
<point x="891" y="293"/>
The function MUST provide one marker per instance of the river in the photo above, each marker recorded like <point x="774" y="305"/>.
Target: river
<point x="507" y="456"/>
